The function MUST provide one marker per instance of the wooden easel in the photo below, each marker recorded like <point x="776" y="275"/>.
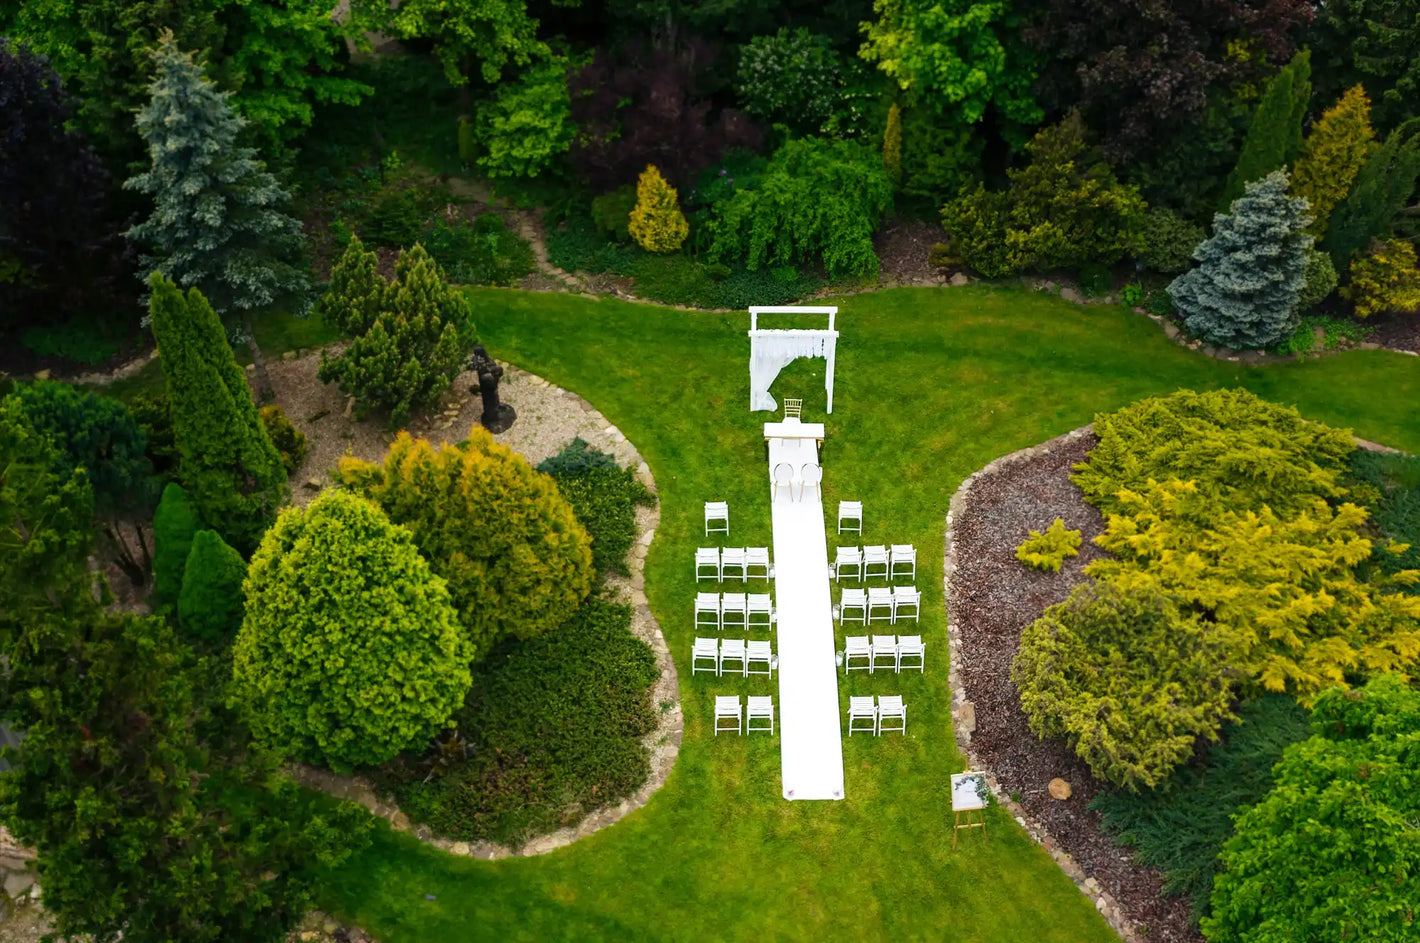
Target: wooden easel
<point x="966" y="799"/>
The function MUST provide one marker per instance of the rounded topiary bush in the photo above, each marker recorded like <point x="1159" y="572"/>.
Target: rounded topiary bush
<point x="210" y="605"/>
<point x="350" y="650"/>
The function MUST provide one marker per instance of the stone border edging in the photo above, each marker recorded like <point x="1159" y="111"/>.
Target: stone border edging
<point x="663" y="743"/>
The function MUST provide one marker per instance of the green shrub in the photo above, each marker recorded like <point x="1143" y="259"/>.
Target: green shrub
<point x="1321" y="280"/>
<point x="210" y="605"/>
<point x="1332" y="852"/>
<point x="1046" y="551"/>
<point x="791" y="78"/>
<point x="1131" y="294"/>
<point x="605" y="500"/>
<point x="290" y="442"/>
<point x="1126" y="677"/>
<point x="81" y="341"/>
<point x="1393" y="486"/>
<point x="1237" y="449"/>
<point x="1167" y="241"/>
<point x="1095" y="280"/>
<point x="576" y="458"/>
<point x="1303" y="340"/>
<point x="397" y="216"/>
<point x="151" y="413"/>
<point x="350" y="650"/>
<point x="612" y="213"/>
<point x="517" y="561"/>
<point x="1158" y="301"/>
<point x="1181" y="826"/>
<point x="551" y="731"/>
<point x="481" y="253"/>
<point x="175" y="523"/>
<point x="577" y="246"/>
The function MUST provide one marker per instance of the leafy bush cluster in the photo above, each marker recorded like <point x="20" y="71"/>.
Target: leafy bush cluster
<point x="1234" y="512"/>
<point x="516" y="559"/>
<point x="1389" y="485"/>
<point x="1331" y="853"/>
<point x="210" y="606"/>
<point x="483" y="252"/>
<point x="1181" y="826"/>
<point x="1304" y="338"/>
<point x="604" y="497"/>
<point x="551" y="731"/>
<point x="790" y="78"/>
<point x="290" y="442"/>
<point x="1047" y="550"/>
<point x="1385" y="278"/>
<point x="1167" y="241"/>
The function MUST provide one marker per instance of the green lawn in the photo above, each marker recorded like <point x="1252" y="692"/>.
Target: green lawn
<point x="931" y="384"/>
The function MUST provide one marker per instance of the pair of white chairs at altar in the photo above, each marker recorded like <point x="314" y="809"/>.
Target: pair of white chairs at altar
<point x="889" y="707"/>
<point x="734" y="610"/>
<point x="895" y="650"/>
<point x="880" y="604"/>
<point x="745" y="653"/>
<point x="712" y="563"/>
<point x="865" y="563"/>
<point x="808" y="477"/>
<point x="728" y="708"/>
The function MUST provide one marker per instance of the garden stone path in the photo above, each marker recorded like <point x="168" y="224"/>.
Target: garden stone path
<point x="548" y="418"/>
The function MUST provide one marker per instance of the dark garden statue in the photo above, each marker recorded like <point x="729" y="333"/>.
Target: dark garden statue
<point x="497" y="417"/>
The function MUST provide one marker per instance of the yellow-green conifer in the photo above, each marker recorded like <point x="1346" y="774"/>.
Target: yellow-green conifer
<point x="657" y="224"/>
<point x="1332" y="155"/>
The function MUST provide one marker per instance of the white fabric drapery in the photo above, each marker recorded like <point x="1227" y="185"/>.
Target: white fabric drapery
<point x="772" y="351"/>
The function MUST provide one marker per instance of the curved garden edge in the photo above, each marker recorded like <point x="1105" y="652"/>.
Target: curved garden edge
<point x="663" y="743"/>
<point x="964" y="711"/>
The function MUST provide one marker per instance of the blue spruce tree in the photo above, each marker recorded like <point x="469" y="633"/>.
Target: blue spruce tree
<point x="1244" y="291"/>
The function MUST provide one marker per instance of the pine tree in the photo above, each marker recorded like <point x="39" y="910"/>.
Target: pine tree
<point x="216" y="223"/>
<point x="1382" y="189"/>
<point x="1244" y="291"/>
<point x="411" y="352"/>
<point x="1333" y="155"/>
<point x="1274" y="139"/>
<point x="353" y="299"/>
<point x="892" y="145"/>
<point x="657" y="224"/>
<point x="227" y="461"/>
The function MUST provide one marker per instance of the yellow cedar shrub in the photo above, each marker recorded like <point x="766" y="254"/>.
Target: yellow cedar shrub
<point x="657" y="224"/>
<point x="892" y="144"/>
<point x="1332" y="155"/>
<point x="517" y="561"/>
<point x="1384" y="279"/>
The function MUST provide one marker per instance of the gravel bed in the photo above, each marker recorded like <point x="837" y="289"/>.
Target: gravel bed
<point x="992" y="597"/>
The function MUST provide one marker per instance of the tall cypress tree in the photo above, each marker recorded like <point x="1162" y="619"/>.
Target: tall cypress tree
<point x="1333" y="155"/>
<point x="1274" y="138"/>
<point x="227" y="460"/>
<point x="216" y="223"/>
<point x="1382" y="189"/>
<point x="1244" y="291"/>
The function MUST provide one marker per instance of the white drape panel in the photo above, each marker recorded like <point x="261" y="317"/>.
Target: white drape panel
<point x="772" y="351"/>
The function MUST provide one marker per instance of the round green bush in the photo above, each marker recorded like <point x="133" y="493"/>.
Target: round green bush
<point x="1167" y="241"/>
<point x="350" y="651"/>
<point x="1321" y="280"/>
<point x="210" y="605"/>
<point x="290" y="442"/>
<point x="174" y="524"/>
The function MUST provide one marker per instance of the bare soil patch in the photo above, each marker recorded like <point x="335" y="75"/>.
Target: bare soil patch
<point x="992" y="597"/>
<point x="903" y="249"/>
<point x="1397" y="331"/>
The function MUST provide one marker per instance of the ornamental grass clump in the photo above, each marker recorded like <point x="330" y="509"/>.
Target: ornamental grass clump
<point x="1048" y="550"/>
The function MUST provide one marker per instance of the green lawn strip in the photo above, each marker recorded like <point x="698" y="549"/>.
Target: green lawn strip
<point x="931" y="385"/>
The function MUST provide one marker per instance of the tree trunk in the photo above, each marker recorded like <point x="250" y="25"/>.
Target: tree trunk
<point x="264" y="391"/>
<point x="123" y="555"/>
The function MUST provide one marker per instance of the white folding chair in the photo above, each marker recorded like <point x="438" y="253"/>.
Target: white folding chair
<point x="702" y="649"/>
<point x="760" y="708"/>
<point x="758" y="652"/>
<point x="884" y="647"/>
<point x="875" y="562"/>
<point x="727" y="707"/>
<point x="733" y="649"/>
<point x="707" y="558"/>
<point x="783" y="478"/>
<point x="890" y="708"/>
<point x="880" y="604"/>
<point x="757" y="559"/>
<point x="906" y="601"/>
<point x="857" y="646"/>
<point x="717" y="512"/>
<point x="849" y="514"/>
<point x="853" y="606"/>
<point x="793" y="408"/>
<point x="904" y="561"/>
<point x="707" y="610"/>
<point x="910" y="646"/>
<point x="759" y="610"/>
<point x="734" y="558"/>
<point x="734" y="612"/>
<point x="862" y="708"/>
<point x="848" y="558"/>
<point x="811" y="478"/>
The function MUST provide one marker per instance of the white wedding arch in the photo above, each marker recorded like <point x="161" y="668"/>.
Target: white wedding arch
<point x="772" y="350"/>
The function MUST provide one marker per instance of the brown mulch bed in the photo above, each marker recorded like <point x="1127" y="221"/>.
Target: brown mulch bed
<point x="1397" y="331"/>
<point x="903" y="249"/>
<point x="992" y="598"/>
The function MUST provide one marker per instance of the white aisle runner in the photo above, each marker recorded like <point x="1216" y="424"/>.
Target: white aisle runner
<point x="810" y="739"/>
